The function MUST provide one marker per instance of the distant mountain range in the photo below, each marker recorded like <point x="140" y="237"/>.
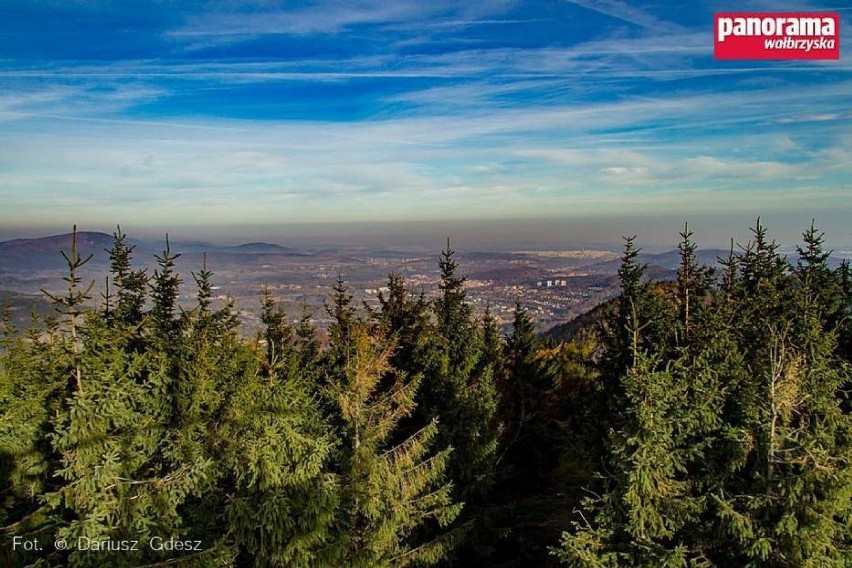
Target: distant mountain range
<point x="301" y="276"/>
<point x="43" y="253"/>
<point x="668" y="260"/>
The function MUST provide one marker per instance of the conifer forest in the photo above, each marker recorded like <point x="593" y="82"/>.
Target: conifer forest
<point x="703" y="421"/>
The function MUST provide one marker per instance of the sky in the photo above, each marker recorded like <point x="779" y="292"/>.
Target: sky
<point x="167" y="114"/>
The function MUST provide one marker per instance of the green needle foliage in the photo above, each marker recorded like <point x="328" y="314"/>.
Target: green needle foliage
<point x="527" y="444"/>
<point x="388" y="490"/>
<point x="462" y="393"/>
<point x="131" y="285"/>
<point x="731" y="444"/>
<point x="699" y="422"/>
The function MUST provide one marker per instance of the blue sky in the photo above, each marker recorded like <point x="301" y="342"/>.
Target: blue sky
<point x="165" y="113"/>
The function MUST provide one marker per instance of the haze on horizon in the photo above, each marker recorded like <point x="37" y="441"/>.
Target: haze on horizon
<point x="654" y="233"/>
<point x="251" y="121"/>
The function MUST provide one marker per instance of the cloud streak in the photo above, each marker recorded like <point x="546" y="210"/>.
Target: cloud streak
<point x="628" y="13"/>
<point x="410" y="110"/>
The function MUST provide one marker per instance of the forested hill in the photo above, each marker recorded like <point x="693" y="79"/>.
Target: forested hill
<point x="591" y="322"/>
<point x="704" y="422"/>
<point x="42" y="252"/>
<point x="588" y="322"/>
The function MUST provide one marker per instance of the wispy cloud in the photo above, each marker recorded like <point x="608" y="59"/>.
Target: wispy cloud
<point x="314" y="171"/>
<point x="628" y="13"/>
<point x="338" y="111"/>
<point x="330" y="17"/>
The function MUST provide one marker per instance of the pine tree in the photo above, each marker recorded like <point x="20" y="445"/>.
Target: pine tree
<point x="281" y="494"/>
<point x="308" y="346"/>
<point x="344" y="318"/>
<point x="388" y="490"/>
<point x="407" y="320"/>
<point x="277" y="336"/>
<point x="460" y="394"/>
<point x="734" y="451"/>
<point x="130" y="284"/>
<point x="71" y="305"/>
<point x="164" y="294"/>
<point x="641" y="519"/>
<point x="693" y="283"/>
<point x="33" y="387"/>
<point x="493" y="352"/>
<point x="524" y="396"/>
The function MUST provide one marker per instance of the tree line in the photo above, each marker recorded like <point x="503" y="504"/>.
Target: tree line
<point x="699" y="422"/>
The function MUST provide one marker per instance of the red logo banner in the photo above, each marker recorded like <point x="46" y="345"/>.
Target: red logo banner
<point x="777" y="35"/>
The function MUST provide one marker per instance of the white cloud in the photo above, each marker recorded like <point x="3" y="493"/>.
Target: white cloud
<point x="505" y="130"/>
<point x="627" y="13"/>
<point x="329" y="17"/>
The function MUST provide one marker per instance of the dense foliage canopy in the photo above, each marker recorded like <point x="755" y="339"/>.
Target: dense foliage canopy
<point x="698" y="422"/>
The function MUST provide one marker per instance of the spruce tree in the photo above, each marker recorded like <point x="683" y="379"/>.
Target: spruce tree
<point x="204" y="287"/>
<point x="71" y="306"/>
<point x="344" y="317"/>
<point x="308" y="346"/>
<point x="460" y="393"/>
<point x="641" y="519"/>
<point x="493" y="352"/>
<point x="735" y="450"/>
<point x="820" y="290"/>
<point x="130" y="285"/>
<point x="33" y="389"/>
<point x="277" y="335"/>
<point x="281" y="493"/>
<point x="164" y="295"/>
<point x="642" y="321"/>
<point x="407" y="321"/>
<point x="524" y="400"/>
<point x="108" y="469"/>
<point x="789" y="500"/>
<point x="693" y="284"/>
<point x="622" y="342"/>
<point x="389" y="491"/>
<point x="122" y="475"/>
<point x="843" y="274"/>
